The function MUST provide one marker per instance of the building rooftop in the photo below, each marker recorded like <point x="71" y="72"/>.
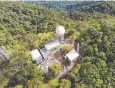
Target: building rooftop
<point x="72" y="55"/>
<point x="35" y="54"/>
<point x="52" y="44"/>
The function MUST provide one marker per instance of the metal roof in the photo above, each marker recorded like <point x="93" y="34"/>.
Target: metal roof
<point x="35" y="54"/>
<point x="72" y="55"/>
<point x="52" y="44"/>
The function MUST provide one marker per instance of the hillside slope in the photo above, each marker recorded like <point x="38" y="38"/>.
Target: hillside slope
<point x="90" y="6"/>
<point x="103" y="7"/>
<point x="25" y="26"/>
<point x="30" y="16"/>
<point x="66" y="5"/>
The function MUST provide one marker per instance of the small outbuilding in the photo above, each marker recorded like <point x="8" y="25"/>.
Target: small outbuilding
<point x="72" y="55"/>
<point x="36" y="56"/>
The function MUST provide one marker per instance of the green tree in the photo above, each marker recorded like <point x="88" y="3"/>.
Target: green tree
<point x="64" y="83"/>
<point x="19" y="86"/>
<point x="35" y="83"/>
<point x="102" y="55"/>
<point x="99" y="82"/>
<point x="53" y="83"/>
<point x="74" y="36"/>
<point x="67" y="48"/>
<point x="74" y="71"/>
<point x="90" y="50"/>
<point x="55" y="70"/>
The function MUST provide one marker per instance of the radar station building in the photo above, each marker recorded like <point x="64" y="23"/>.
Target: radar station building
<point x="60" y="31"/>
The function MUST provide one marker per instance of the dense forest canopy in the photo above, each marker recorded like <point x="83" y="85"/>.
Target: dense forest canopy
<point x="67" y="5"/>
<point x="90" y="6"/>
<point x="27" y="25"/>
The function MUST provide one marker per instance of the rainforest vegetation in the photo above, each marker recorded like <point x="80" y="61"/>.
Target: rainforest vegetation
<point x="27" y="25"/>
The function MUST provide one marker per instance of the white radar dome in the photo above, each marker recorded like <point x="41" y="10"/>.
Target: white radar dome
<point x="60" y="30"/>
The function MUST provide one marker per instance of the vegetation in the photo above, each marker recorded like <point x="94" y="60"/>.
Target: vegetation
<point x="35" y="83"/>
<point x="53" y="83"/>
<point x="66" y="48"/>
<point x="65" y="84"/>
<point x="97" y="69"/>
<point x="75" y="71"/>
<point x="28" y="25"/>
<point x="67" y="5"/>
<point x="55" y="70"/>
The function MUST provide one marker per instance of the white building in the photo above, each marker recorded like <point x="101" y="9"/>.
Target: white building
<point x="36" y="56"/>
<point x="51" y="45"/>
<point x="60" y="31"/>
<point x="72" y="55"/>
